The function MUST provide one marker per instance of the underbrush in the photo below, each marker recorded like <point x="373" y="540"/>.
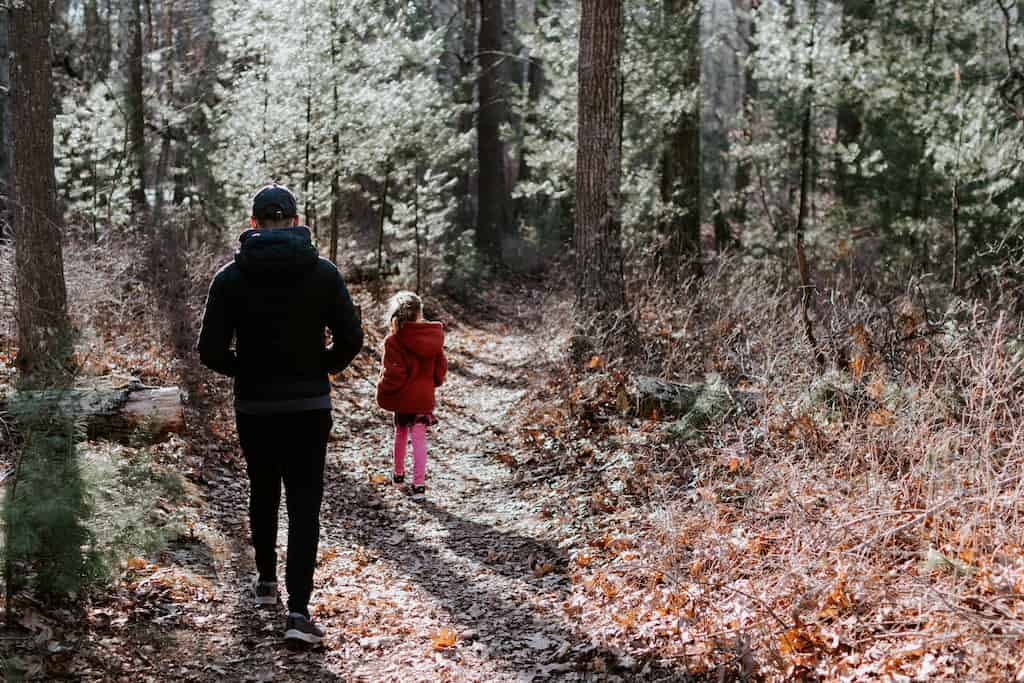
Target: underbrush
<point x="852" y="521"/>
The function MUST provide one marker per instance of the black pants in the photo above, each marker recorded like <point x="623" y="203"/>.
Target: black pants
<point x="289" y="448"/>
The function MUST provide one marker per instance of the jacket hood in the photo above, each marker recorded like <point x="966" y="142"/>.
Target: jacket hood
<point x="280" y="253"/>
<point x="425" y="339"/>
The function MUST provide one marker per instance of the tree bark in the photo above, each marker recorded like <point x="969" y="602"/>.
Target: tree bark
<point x="416" y="226"/>
<point x="680" y="184"/>
<point x="466" y="187"/>
<point x="135" y="107"/>
<point x="44" y="330"/>
<point x="111" y="408"/>
<point x="806" y="288"/>
<point x="6" y="142"/>
<point x="493" y="221"/>
<point x="600" y="283"/>
<point x="380" y="231"/>
<point x="335" y="136"/>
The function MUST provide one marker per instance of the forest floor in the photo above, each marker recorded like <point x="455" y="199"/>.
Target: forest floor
<point x="858" y="524"/>
<point x="471" y="585"/>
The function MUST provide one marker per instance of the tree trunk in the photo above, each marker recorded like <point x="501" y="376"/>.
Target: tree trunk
<point x="493" y="223"/>
<point x="600" y="284"/>
<point x="6" y="143"/>
<point x="307" y="173"/>
<point x="416" y="226"/>
<point x="135" y="108"/>
<point x="466" y="188"/>
<point x="44" y="330"/>
<point x="680" y="184"/>
<point x="806" y="288"/>
<point x="380" y="231"/>
<point x="335" y="136"/>
<point x="110" y="408"/>
<point x="97" y="39"/>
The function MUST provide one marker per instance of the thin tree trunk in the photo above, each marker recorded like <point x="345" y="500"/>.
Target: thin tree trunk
<point x="955" y="209"/>
<point x="135" y="109"/>
<point x="806" y="288"/>
<point x="6" y="142"/>
<point x="467" y="189"/>
<point x="94" y="183"/>
<point x="307" y="171"/>
<point x="922" y="165"/>
<point x="680" y="184"/>
<point x="307" y="176"/>
<point x="600" y="282"/>
<point x="493" y="223"/>
<point x="380" y="230"/>
<point x="416" y="225"/>
<point x="335" y="136"/>
<point x="150" y="33"/>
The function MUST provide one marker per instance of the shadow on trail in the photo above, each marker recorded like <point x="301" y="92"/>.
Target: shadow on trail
<point x="505" y="618"/>
<point x="250" y="645"/>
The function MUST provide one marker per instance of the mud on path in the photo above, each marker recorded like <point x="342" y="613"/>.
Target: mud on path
<point x="468" y="586"/>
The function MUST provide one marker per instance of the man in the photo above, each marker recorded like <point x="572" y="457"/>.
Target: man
<point x="276" y="299"/>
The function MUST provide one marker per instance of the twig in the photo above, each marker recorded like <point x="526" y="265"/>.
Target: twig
<point x="938" y="507"/>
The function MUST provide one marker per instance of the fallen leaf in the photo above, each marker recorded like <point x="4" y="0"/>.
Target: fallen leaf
<point x="445" y="639"/>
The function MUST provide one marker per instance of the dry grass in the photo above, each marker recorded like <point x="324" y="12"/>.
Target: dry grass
<point x="866" y="521"/>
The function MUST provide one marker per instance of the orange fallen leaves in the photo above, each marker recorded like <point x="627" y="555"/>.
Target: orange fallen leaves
<point x="138" y="564"/>
<point x="880" y="418"/>
<point x="626" y="619"/>
<point x="541" y="569"/>
<point x="445" y="639"/>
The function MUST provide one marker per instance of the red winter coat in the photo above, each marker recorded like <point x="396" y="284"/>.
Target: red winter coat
<point x="414" y="364"/>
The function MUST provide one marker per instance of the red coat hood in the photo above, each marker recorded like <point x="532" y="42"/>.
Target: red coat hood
<point x="425" y="339"/>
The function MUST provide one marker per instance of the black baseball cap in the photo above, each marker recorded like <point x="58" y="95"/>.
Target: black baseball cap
<point x="274" y="201"/>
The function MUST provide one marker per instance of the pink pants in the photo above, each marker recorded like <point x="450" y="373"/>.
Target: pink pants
<point x="419" y="451"/>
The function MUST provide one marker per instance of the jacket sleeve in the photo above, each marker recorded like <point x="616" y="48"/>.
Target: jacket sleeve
<point x="346" y="328"/>
<point x="440" y="368"/>
<point x="393" y="373"/>
<point x="218" y="330"/>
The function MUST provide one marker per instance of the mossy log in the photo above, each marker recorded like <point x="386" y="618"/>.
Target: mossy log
<point x="120" y="409"/>
<point x="666" y="399"/>
<point x="691" y="406"/>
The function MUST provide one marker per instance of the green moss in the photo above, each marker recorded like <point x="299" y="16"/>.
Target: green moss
<point x="714" y="401"/>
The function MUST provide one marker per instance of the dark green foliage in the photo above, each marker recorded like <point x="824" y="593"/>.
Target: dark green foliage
<point x="47" y="543"/>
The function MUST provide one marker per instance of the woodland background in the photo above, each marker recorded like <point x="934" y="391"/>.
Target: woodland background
<point x="804" y="219"/>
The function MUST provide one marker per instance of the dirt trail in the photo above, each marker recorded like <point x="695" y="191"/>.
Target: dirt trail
<point x="473" y="565"/>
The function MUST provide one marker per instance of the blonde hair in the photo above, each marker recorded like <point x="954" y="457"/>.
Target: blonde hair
<point x="403" y="307"/>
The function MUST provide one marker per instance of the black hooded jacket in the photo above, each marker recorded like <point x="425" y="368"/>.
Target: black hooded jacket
<point x="274" y="300"/>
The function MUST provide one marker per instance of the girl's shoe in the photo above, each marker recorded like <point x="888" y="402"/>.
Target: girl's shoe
<point x="419" y="493"/>
<point x="397" y="478"/>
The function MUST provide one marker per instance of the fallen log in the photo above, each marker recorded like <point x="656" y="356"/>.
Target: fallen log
<point x="666" y="399"/>
<point x="120" y="409"/>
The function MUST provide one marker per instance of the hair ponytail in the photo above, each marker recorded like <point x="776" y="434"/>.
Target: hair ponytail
<point x="403" y="307"/>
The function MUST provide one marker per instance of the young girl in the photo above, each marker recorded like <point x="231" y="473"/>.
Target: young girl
<point x="414" y="365"/>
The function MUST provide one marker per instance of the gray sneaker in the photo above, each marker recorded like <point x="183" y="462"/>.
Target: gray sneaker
<point x="264" y="592"/>
<point x="301" y="628"/>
